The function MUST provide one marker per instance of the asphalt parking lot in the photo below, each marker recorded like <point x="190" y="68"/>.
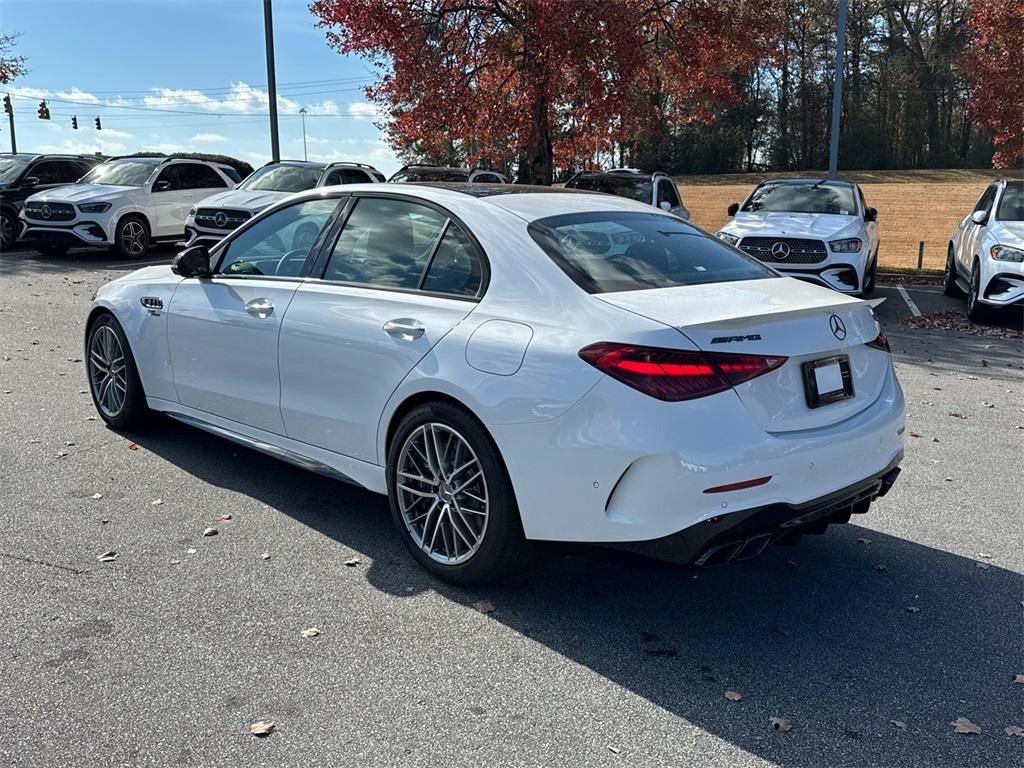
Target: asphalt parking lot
<point x="870" y="640"/>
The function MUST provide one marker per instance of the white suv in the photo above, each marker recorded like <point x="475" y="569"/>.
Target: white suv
<point x="818" y="230"/>
<point x="124" y="204"/>
<point x="221" y="214"/>
<point x="985" y="259"/>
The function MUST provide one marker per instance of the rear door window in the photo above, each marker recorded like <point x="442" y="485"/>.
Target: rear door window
<point x="345" y="176"/>
<point x="456" y="267"/>
<point x="667" y="193"/>
<point x="604" y="252"/>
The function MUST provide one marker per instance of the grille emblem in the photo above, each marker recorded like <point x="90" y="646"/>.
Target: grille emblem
<point x="780" y="250"/>
<point x="835" y="322"/>
<point x="47" y="213"/>
<point x="220" y="219"/>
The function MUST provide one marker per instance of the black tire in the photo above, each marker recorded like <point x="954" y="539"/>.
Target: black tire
<point x="132" y="412"/>
<point x="502" y="548"/>
<point x="8" y="230"/>
<point x="976" y="311"/>
<point x="52" y="249"/>
<point x="131" y="238"/>
<point x="870" y="277"/>
<point x="949" y="286"/>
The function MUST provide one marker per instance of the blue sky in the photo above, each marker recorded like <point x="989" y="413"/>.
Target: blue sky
<point x="138" y="65"/>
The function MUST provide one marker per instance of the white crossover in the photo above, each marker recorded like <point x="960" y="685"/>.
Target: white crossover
<point x="985" y="259"/>
<point x="220" y="214"/>
<point x="817" y="230"/>
<point x="124" y="204"/>
<point x="512" y="364"/>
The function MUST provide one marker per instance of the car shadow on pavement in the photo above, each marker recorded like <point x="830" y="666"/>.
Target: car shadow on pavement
<point x="28" y="262"/>
<point x="857" y="637"/>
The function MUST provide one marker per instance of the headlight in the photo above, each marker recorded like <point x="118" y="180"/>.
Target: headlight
<point x="1006" y="253"/>
<point x="850" y="245"/>
<point x="730" y="239"/>
<point x="192" y="211"/>
<point x="94" y="208"/>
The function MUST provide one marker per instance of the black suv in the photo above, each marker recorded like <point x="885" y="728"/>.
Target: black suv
<point x="22" y="175"/>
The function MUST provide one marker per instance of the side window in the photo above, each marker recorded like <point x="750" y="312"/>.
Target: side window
<point x="55" y="172"/>
<point x="667" y="192"/>
<point x="172" y="174"/>
<point x="201" y="177"/>
<point x="863" y="202"/>
<point x="385" y="243"/>
<point x="455" y="267"/>
<point x="231" y="173"/>
<point x="985" y="201"/>
<point x="280" y="243"/>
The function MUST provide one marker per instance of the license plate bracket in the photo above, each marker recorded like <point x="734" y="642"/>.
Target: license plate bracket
<point x="827" y="380"/>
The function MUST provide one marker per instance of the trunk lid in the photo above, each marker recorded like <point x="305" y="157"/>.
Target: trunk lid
<point x="778" y="316"/>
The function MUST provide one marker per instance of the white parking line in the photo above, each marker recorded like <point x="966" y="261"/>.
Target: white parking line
<point x="910" y="302"/>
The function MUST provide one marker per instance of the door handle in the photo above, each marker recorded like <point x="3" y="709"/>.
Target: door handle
<point x="260" y="307"/>
<point x="405" y="328"/>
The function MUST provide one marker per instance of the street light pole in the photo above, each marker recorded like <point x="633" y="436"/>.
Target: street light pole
<point x="837" y="92"/>
<point x="268" y="28"/>
<point x="303" y="113"/>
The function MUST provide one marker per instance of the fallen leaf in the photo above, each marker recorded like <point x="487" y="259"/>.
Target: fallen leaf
<point x="175" y="562"/>
<point x="1019" y="679"/>
<point x="352" y="562"/>
<point x="191" y="551"/>
<point x="613" y="750"/>
<point x="985" y="555"/>
<point x="133" y="446"/>
<point x="310" y="632"/>
<point x="225" y="518"/>
<point x="210" y="532"/>
<point x="1014" y="730"/>
<point x="912" y="609"/>
<point x="96" y="496"/>
<point x="881" y="568"/>
<point x="913" y="434"/>
<point x="264" y="556"/>
<point x="863" y="541"/>
<point x="899" y="724"/>
<point x="484" y="606"/>
<point x="107" y="557"/>
<point x="90" y="418"/>
<point x="157" y="502"/>
<point x="261" y="728"/>
<point x="963" y="725"/>
<point x="957" y="415"/>
<point x="983" y="566"/>
<point x="733" y="696"/>
<point x="781" y="724"/>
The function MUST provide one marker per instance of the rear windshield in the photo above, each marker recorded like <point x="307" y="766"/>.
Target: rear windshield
<point x="1011" y="207"/>
<point x="802" y="198"/>
<point x="282" y="178"/>
<point x="634" y="189"/>
<point x="611" y="251"/>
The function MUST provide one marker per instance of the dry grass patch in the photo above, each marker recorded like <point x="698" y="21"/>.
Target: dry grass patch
<point x="912" y="206"/>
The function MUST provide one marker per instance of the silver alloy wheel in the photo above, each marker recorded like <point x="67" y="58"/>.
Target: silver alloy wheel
<point x="442" y="493"/>
<point x="108" y="374"/>
<point x="133" y="238"/>
<point x="6" y="231"/>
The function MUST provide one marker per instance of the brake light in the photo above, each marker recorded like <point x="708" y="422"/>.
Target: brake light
<point x="673" y="374"/>
<point x="880" y="342"/>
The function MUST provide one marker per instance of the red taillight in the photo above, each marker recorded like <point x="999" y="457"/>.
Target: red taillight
<point x="673" y="374"/>
<point x="880" y="343"/>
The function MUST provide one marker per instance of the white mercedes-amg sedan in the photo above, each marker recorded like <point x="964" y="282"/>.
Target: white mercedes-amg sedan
<point x="513" y="364"/>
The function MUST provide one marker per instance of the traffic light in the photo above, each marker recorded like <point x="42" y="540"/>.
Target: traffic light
<point x="8" y="108"/>
<point x="44" y="111"/>
<point x="74" y="122"/>
<point x="98" y="126"/>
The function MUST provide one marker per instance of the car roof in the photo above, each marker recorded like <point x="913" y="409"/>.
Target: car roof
<point x="297" y="163"/>
<point x="824" y="182"/>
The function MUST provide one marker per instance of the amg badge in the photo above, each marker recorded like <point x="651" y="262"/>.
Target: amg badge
<point x="727" y="339"/>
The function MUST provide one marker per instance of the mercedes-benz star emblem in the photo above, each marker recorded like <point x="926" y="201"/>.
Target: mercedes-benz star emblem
<point x="220" y="219"/>
<point x="47" y="213"/>
<point x="780" y="250"/>
<point x="835" y="322"/>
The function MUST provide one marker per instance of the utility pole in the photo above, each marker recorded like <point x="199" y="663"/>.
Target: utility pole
<point x="268" y="28"/>
<point x="837" y="92"/>
<point x="303" y="113"/>
<point x="9" y="109"/>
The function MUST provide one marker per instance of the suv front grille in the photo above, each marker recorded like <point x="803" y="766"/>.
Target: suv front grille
<point x="784" y="250"/>
<point x="221" y="218"/>
<point x="50" y="211"/>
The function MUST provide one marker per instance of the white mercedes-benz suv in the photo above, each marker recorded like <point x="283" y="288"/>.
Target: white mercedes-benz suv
<point x="985" y="259"/>
<point x="223" y="213"/>
<point x="125" y="204"/>
<point x="817" y="230"/>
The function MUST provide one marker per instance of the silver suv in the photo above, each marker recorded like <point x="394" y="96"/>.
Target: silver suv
<point x="655" y="189"/>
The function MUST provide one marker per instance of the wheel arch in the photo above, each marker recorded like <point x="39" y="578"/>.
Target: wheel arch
<point x="134" y="213"/>
<point x="415" y="400"/>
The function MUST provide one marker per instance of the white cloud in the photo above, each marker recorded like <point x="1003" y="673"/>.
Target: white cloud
<point x="242" y="99"/>
<point x="87" y="147"/>
<point x="208" y="138"/>
<point x="28" y="93"/>
<point x="168" y="148"/>
<point x="76" y="94"/>
<point x="116" y="134"/>
<point x="315" y="140"/>
<point x="325" y="107"/>
<point x="362" y="110"/>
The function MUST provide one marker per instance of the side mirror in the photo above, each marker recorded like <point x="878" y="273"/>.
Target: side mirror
<point x="161" y="186"/>
<point x="192" y="262"/>
<point x="733" y="209"/>
<point x="870" y="214"/>
<point x="979" y="218"/>
<point x="31" y="181"/>
<point x="665" y="205"/>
